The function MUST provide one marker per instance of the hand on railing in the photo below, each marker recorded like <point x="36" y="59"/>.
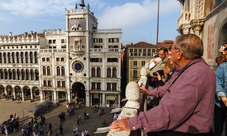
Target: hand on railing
<point x="120" y="125"/>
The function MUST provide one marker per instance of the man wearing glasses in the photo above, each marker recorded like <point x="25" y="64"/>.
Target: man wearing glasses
<point x="187" y="99"/>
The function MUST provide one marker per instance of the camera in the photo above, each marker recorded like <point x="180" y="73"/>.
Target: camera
<point x="223" y="48"/>
<point x="160" y="72"/>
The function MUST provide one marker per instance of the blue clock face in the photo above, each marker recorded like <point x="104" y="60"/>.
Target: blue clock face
<point x="78" y="66"/>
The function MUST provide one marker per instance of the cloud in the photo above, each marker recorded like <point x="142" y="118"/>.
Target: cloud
<point x="134" y="14"/>
<point x="30" y="8"/>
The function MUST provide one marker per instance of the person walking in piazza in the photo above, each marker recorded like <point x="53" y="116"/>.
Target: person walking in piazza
<point x="50" y="126"/>
<point x="220" y="108"/>
<point x="61" y="130"/>
<point x="187" y="99"/>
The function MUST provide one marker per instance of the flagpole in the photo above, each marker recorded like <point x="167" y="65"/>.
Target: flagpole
<point x="157" y="23"/>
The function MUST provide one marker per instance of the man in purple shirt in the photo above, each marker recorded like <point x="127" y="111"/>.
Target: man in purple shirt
<point x="187" y="99"/>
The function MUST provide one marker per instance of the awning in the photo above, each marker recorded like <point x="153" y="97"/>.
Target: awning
<point x="111" y="98"/>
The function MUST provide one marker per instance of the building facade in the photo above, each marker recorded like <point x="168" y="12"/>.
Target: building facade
<point x="134" y="58"/>
<point x="207" y="19"/>
<point x="81" y="63"/>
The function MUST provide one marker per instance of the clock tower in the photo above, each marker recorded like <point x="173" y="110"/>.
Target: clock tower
<point x="80" y="24"/>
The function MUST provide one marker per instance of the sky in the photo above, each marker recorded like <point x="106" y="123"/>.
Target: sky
<point x="136" y="18"/>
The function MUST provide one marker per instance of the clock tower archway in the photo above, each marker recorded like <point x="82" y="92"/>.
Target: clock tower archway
<point x="78" y="91"/>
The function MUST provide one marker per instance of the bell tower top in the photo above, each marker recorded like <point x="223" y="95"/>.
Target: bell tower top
<point x="82" y="4"/>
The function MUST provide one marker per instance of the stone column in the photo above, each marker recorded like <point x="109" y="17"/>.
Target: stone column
<point x="100" y="100"/>
<point x="103" y="100"/>
<point x="55" y="96"/>
<point x="22" y="95"/>
<point x="31" y="94"/>
<point x="87" y="98"/>
<point x="41" y="95"/>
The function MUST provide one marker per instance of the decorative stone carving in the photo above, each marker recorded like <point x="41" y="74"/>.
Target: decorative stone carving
<point x="75" y="27"/>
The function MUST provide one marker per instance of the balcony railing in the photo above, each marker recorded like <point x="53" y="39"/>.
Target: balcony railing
<point x="105" y="50"/>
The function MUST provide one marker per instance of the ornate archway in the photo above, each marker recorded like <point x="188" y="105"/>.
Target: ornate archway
<point x="27" y="93"/>
<point x="35" y="93"/>
<point x="18" y="92"/>
<point x="78" y="91"/>
<point x="9" y="90"/>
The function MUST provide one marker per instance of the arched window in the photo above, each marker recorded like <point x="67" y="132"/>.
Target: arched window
<point x="62" y="71"/>
<point x="108" y="72"/>
<point x="6" y="74"/>
<point x="36" y="74"/>
<point x="58" y="71"/>
<point x="31" y="74"/>
<point x="18" y="74"/>
<point x="36" y="58"/>
<point x="48" y="70"/>
<point x="27" y="74"/>
<point x="13" y="57"/>
<point x="14" y="74"/>
<point x="22" y="57"/>
<point x="26" y="57"/>
<point x="9" y="58"/>
<point x="31" y="57"/>
<point x="92" y="72"/>
<point x="10" y="74"/>
<point x="114" y="72"/>
<point x="17" y="57"/>
<point x="44" y="70"/>
<point x="4" y="57"/>
<point x="22" y="74"/>
<point x="98" y="72"/>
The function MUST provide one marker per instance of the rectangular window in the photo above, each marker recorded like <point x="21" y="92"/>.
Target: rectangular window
<point x="114" y="86"/>
<point x="63" y="83"/>
<point x="95" y="59"/>
<point x="135" y="64"/>
<point x="100" y="40"/>
<point x="44" y="83"/>
<point x="58" y="84"/>
<point x="144" y="52"/>
<point x="54" y="41"/>
<point x="108" y="86"/>
<point x="43" y="59"/>
<point x="98" y="86"/>
<point x="149" y="52"/>
<point x="134" y="73"/>
<point x="112" y="59"/>
<point x="113" y="40"/>
<point x="135" y="52"/>
<point x="63" y="41"/>
<point x="49" y="83"/>
<point x="95" y="40"/>
<point x="49" y="41"/>
<point x="57" y="59"/>
<point x="143" y="63"/>
<point x="92" y="86"/>
<point x="48" y="59"/>
<point x="62" y="59"/>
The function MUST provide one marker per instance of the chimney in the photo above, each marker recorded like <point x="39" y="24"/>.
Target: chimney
<point x="31" y="32"/>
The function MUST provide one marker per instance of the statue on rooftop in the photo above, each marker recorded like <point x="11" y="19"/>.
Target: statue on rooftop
<point x="76" y="6"/>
